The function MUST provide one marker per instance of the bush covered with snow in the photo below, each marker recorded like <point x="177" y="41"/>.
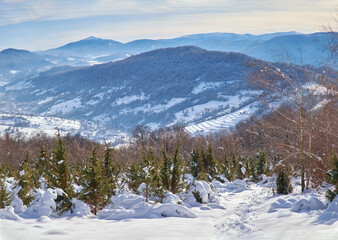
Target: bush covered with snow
<point x="236" y="186"/>
<point x="280" y="203"/>
<point x="306" y="205"/>
<point x="43" y="204"/>
<point x="200" y="192"/>
<point x="128" y="205"/>
<point x="330" y="215"/>
<point x="8" y="213"/>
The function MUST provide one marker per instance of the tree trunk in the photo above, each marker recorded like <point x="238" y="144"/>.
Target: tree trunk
<point x="302" y="164"/>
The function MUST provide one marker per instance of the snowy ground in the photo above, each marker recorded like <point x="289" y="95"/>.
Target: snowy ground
<point x="249" y="212"/>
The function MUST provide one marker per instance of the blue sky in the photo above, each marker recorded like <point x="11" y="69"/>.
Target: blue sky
<point x="43" y="24"/>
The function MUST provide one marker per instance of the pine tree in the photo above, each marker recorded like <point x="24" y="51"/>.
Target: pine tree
<point x="239" y="172"/>
<point x="332" y="176"/>
<point x="223" y="167"/>
<point x="166" y="170"/>
<point x="194" y="163"/>
<point x="176" y="175"/>
<point x="261" y="163"/>
<point x="94" y="192"/>
<point x="44" y="167"/>
<point x="283" y="183"/>
<point x="152" y="175"/>
<point x="5" y="197"/>
<point x="62" y="178"/>
<point x="109" y="172"/>
<point x="233" y="167"/>
<point x="136" y="176"/>
<point x="26" y="182"/>
<point x="252" y="169"/>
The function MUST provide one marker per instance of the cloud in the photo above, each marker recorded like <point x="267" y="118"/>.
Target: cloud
<point x="16" y="11"/>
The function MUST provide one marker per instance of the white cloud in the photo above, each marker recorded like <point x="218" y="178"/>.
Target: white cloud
<point x="16" y="11"/>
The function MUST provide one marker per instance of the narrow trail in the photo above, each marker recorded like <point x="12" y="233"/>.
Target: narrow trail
<point x="238" y="219"/>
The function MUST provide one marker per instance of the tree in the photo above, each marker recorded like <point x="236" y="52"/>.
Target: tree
<point x="166" y="170"/>
<point x="152" y="177"/>
<point x="283" y="182"/>
<point x="332" y="176"/>
<point x="44" y="167"/>
<point x="5" y="197"/>
<point x="261" y="163"/>
<point x="177" y="173"/>
<point x="287" y="86"/>
<point x="94" y="191"/>
<point x="135" y="175"/>
<point x="26" y="182"/>
<point x="62" y="178"/>
<point x="109" y="171"/>
<point x="194" y="163"/>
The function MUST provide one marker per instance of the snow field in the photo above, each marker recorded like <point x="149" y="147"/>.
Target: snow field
<point x="230" y="210"/>
<point x="224" y="122"/>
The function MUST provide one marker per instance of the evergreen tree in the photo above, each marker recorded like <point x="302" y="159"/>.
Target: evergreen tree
<point x="26" y="182"/>
<point x="239" y="172"/>
<point x="208" y="165"/>
<point x="5" y="197"/>
<point x="109" y="172"/>
<point x="94" y="191"/>
<point x="332" y="176"/>
<point x="223" y="167"/>
<point x="261" y="163"/>
<point x="211" y="161"/>
<point x="152" y="175"/>
<point x="136" y="176"/>
<point x="62" y="178"/>
<point x="233" y="168"/>
<point x="283" y="183"/>
<point x="194" y="163"/>
<point x="252" y="169"/>
<point x="166" y="170"/>
<point x="177" y="173"/>
<point x="43" y="167"/>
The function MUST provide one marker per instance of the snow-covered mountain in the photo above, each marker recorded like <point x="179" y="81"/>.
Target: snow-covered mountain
<point x="158" y="88"/>
<point x="16" y="63"/>
<point x="203" y="90"/>
<point x="284" y="46"/>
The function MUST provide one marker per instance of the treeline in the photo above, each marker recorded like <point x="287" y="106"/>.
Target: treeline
<point x="298" y="140"/>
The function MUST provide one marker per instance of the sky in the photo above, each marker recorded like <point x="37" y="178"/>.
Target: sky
<point x="45" y="24"/>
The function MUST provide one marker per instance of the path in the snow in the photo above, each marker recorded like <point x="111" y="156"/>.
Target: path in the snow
<point x="238" y="219"/>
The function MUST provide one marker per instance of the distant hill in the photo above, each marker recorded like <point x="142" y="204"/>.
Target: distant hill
<point x="157" y="88"/>
<point x="188" y="85"/>
<point x="16" y="63"/>
<point x="284" y="46"/>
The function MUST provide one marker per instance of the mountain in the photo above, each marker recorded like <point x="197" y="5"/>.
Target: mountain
<point x="300" y="48"/>
<point x="16" y="63"/>
<point x="202" y="90"/>
<point x="88" y="47"/>
<point x="157" y="88"/>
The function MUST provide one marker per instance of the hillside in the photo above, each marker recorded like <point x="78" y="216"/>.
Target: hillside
<point x="157" y="88"/>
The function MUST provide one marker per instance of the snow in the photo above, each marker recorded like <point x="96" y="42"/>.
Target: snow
<point x="203" y="86"/>
<point x="129" y="99"/>
<point x="31" y="126"/>
<point x="231" y="210"/>
<point x="130" y="205"/>
<point x="154" y="108"/>
<point x="223" y="122"/>
<point x="66" y="106"/>
<point x="8" y="213"/>
<point x="13" y="72"/>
